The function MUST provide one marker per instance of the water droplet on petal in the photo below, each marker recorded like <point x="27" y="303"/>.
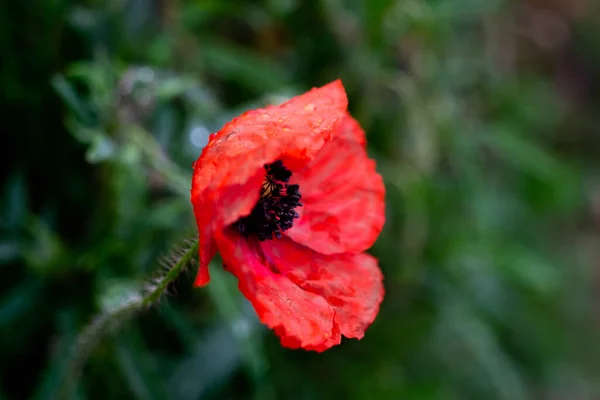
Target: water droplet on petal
<point x="232" y="135"/>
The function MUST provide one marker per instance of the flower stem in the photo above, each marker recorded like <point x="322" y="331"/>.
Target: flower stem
<point x="174" y="177"/>
<point x="109" y="321"/>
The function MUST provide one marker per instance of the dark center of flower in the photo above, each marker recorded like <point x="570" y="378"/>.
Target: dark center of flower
<point x="274" y="212"/>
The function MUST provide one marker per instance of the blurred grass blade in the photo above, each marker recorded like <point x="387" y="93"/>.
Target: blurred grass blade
<point x="476" y="337"/>
<point x="242" y="321"/>
<point x="136" y="364"/>
<point x="210" y="363"/>
<point x="180" y="323"/>
<point x="50" y="382"/>
<point x="250" y="69"/>
<point x="19" y="301"/>
<point x="70" y="96"/>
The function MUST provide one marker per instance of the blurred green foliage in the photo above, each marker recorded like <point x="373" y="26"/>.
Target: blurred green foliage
<point x="482" y="115"/>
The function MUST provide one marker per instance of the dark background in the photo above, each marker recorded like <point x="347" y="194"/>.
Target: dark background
<point x="483" y="116"/>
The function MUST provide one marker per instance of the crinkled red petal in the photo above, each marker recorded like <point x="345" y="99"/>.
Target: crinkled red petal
<point x="229" y="172"/>
<point x="350" y="129"/>
<point x="299" y="317"/>
<point x="350" y="283"/>
<point x="343" y="196"/>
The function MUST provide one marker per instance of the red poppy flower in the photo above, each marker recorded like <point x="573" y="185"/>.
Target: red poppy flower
<point x="290" y="199"/>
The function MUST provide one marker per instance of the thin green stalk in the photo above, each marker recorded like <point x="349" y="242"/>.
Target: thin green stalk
<point x="109" y="321"/>
<point x="174" y="176"/>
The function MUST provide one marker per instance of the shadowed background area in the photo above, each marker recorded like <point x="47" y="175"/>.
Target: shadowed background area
<point x="483" y="116"/>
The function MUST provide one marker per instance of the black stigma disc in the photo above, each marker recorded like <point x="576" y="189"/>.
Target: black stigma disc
<point x="275" y="211"/>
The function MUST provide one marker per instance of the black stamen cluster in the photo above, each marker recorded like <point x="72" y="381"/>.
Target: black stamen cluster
<point x="274" y="212"/>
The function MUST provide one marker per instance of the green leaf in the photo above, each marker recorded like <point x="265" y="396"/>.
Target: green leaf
<point x="70" y="96"/>
<point x="233" y="63"/>
<point x="172" y="87"/>
<point x="101" y="149"/>
<point x="15" y="201"/>
<point x="46" y="254"/>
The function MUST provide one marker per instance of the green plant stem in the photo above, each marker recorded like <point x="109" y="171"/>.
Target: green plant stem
<point x="109" y="321"/>
<point x="174" y="176"/>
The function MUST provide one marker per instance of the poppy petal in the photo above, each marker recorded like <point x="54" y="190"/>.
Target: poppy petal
<point x="343" y="197"/>
<point x="299" y="317"/>
<point x="350" y="129"/>
<point x="229" y="172"/>
<point x="350" y="283"/>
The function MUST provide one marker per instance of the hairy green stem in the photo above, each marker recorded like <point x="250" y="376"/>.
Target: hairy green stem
<point x="109" y="321"/>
